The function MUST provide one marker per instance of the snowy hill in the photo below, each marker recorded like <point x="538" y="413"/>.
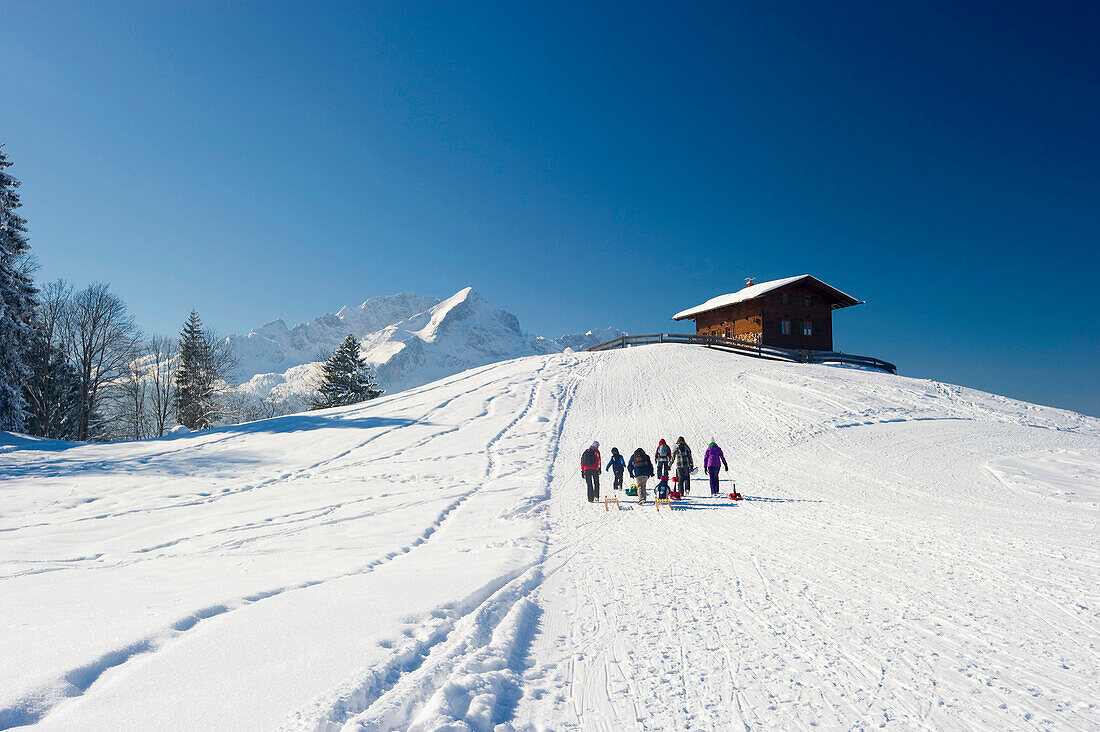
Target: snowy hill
<point x="911" y="554"/>
<point x="408" y="339"/>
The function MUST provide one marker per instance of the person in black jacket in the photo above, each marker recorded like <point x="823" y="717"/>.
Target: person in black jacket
<point x="641" y="470"/>
<point x="590" y="469"/>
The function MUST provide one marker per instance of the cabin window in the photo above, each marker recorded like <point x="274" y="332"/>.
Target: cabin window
<point x="785" y="327"/>
<point x="805" y="299"/>
<point x="807" y="328"/>
<point x="783" y="298"/>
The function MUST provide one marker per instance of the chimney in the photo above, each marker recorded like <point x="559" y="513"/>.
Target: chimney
<point x="750" y="281"/>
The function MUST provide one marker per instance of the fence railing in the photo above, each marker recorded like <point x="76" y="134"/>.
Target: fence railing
<point x="746" y="348"/>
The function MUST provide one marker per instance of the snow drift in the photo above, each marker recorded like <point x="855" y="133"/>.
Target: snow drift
<point x="909" y="554"/>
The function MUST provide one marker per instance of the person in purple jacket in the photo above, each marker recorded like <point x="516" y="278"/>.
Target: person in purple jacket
<point x="712" y="460"/>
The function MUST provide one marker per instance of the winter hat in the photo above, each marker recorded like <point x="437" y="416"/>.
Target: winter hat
<point x="712" y="443"/>
<point x="595" y="443"/>
<point x="661" y="442"/>
<point x="614" y="451"/>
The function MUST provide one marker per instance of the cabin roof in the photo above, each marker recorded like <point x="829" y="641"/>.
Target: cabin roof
<point x="840" y="299"/>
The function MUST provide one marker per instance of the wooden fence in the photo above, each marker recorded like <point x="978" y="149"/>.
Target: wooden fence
<point x="744" y="348"/>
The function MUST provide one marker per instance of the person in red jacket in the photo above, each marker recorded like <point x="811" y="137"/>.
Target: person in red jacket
<point x="590" y="469"/>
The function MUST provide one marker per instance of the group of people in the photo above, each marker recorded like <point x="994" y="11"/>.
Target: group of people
<point x="641" y="468"/>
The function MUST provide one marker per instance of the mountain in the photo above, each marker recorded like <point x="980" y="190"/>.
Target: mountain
<point x="909" y="555"/>
<point x="409" y="340"/>
<point x="274" y="348"/>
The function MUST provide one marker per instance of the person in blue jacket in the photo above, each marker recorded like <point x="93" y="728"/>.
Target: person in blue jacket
<point x="618" y="465"/>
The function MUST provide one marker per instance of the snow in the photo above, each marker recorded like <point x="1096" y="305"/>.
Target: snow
<point x="407" y="339"/>
<point x="749" y="293"/>
<point x="909" y="554"/>
<point x="274" y="348"/>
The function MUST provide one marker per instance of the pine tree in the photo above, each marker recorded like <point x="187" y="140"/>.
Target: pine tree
<point x="345" y="379"/>
<point x="16" y="303"/>
<point x="203" y="363"/>
<point x="52" y="392"/>
<point x="193" y="409"/>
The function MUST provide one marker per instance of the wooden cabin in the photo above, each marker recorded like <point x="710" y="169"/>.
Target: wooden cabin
<point x="795" y="312"/>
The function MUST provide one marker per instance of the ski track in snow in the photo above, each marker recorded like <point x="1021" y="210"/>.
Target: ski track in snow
<point x="910" y="554"/>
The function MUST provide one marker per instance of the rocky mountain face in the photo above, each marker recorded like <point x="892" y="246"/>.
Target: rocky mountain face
<point x="408" y="339"/>
<point x="275" y="348"/>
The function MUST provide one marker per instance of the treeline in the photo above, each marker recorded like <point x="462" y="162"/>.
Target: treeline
<point x="75" y="366"/>
<point x="93" y="376"/>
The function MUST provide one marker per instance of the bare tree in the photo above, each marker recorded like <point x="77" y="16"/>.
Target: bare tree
<point x="126" y="401"/>
<point x="101" y="337"/>
<point x="274" y="406"/>
<point x="161" y="361"/>
<point x="237" y="407"/>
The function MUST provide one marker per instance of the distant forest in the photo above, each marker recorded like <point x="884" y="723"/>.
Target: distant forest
<point x="75" y="366"/>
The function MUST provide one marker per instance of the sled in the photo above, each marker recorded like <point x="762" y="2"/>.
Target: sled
<point x="659" y="501"/>
<point x="608" y="500"/>
<point x="735" y="496"/>
<point x="674" y="495"/>
<point x="632" y="490"/>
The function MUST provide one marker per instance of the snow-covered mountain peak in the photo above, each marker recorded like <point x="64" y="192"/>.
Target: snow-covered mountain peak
<point x="429" y="339"/>
<point x="464" y="310"/>
<point x="275" y="348"/>
<point x="273" y="329"/>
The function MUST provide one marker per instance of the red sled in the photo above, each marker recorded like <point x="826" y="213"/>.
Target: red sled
<point x="674" y="495"/>
<point x="736" y="497"/>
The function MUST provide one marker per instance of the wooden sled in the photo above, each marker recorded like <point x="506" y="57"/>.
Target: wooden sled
<point x="665" y="501"/>
<point x="608" y="500"/>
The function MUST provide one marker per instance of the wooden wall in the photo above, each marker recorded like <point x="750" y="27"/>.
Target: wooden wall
<point x="759" y="320"/>
<point x="741" y="321"/>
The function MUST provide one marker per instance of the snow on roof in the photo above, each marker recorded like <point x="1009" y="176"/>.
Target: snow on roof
<point x="751" y="293"/>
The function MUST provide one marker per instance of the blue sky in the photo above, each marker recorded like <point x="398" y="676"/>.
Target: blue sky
<point x="580" y="164"/>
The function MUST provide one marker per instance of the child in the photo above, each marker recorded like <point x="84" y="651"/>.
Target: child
<point x="618" y="465"/>
<point x="661" y="489"/>
<point x="663" y="459"/>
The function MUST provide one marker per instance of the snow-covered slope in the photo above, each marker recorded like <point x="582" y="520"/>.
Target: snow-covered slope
<point x="461" y="332"/>
<point x="910" y="555"/>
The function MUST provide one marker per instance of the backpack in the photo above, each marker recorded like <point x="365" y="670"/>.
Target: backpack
<point x="664" y="452"/>
<point x="662" y="490"/>
<point x="589" y="459"/>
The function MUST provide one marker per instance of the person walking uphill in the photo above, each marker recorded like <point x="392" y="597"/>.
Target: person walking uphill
<point x="663" y="458"/>
<point x="681" y="455"/>
<point x="618" y="465"/>
<point x="590" y="469"/>
<point x="641" y="470"/>
<point x="712" y="460"/>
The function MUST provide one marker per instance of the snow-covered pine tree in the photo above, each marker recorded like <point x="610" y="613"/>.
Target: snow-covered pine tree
<point x="52" y="391"/>
<point x="345" y="379"/>
<point x="192" y="377"/>
<point x="203" y="365"/>
<point x="16" y="303"/>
